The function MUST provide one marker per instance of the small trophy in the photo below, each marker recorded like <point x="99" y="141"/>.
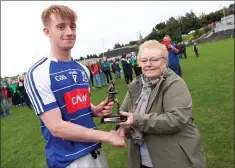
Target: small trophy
<point x="113" y="118"/>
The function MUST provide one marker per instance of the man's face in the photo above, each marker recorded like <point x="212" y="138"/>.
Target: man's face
<point x="62" y="33"/>
<point x="167" y="38"/>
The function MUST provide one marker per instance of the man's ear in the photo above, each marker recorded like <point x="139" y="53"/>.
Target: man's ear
<point x="46" y="31"/>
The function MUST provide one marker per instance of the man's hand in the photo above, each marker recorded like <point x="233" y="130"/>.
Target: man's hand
<point x="173" y="48"/>
<point x="116" y="140"/>
<point x="103" y="109"/>
<point x="121" y="131"/>
<point x="129" y="121"/>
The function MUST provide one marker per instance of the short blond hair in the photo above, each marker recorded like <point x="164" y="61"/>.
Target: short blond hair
<point x="61" y="10"/>
<point x="153" y="44"/>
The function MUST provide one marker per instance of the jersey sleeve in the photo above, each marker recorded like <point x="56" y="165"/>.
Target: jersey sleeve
<point x="38" y="87"/>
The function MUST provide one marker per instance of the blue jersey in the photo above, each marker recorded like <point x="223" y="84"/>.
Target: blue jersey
<point x="55" y="84"/>
<point x="173" y="58"/>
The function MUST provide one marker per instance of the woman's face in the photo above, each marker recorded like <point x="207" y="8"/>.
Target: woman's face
<point x="153" y="64"/>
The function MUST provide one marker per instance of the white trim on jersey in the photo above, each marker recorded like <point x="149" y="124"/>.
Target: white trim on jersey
<point x="81" y="150"/>
<point x="79" y="117"/>
<point x="70" y="86"/>
<point x="39" y="86"/>
<point x="28" y="87"/>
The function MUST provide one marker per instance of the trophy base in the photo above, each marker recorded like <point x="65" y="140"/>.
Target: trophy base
<point x="113" y="118"/>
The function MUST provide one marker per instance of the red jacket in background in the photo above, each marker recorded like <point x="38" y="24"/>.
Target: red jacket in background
<point x="5" y="92"/>
<point x="95" y="69"/>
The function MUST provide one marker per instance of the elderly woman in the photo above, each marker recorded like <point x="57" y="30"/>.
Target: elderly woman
<point x="159" y="123"/>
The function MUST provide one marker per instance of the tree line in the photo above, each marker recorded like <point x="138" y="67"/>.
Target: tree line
<point x="178" y="26"/>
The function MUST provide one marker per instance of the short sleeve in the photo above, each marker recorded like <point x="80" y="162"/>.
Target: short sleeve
<point x="38" y="87"/>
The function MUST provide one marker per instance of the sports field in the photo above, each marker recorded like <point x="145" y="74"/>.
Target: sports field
<point x="210" y="79"/>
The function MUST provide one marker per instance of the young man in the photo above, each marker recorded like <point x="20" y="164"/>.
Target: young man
<point x="173" y="57"/>
<point x="58" y="88"/>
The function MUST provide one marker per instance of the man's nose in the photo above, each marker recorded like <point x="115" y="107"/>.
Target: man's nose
<point x="69" y="31"/>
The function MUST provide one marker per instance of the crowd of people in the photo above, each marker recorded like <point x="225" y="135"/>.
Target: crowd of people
<point x="12" y="93"/>
<point x="101" y="71"/>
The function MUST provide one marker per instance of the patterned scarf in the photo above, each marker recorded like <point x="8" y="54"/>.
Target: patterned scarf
<point x="141" y="104"/>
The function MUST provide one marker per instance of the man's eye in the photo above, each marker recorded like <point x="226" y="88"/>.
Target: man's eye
<point x="61" y="27"/>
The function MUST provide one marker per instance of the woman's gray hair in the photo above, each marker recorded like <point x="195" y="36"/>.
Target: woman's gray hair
<point x="156" y="45"/>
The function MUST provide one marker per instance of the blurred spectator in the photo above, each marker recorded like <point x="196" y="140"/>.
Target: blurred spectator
<point x="134" y="62"/>
<point x="23" y="92"/>
<point x="95" y="72"/>
<point x="195" y="48"/>
<point x="127" y="68"/>
<point x="116" y="69"/>
<point x="106" y="68"/>
<point x="3" y="102"/>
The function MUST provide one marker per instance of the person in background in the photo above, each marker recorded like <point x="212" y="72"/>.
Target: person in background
<point x="127" y="68"/>
<point x="173" y="61"/>
<point x="133" y="60"/>
<point x="102" y="75"/>
<point x="91" y="76"/>
<point x="15" y="94"/>
<point x="3" y="102"/>
<point x="107" y="69"/>
<point x="195" y="48"/>
<point x="9" y="92"/>
<point x="160" y="124"/>
<point x="23" y="92"/>
<point x="183" y="53"/>
<point x="95" y="72"/>
<point x="116" y="69"/>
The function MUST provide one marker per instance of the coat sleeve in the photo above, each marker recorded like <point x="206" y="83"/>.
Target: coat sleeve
<point x="177" y="111"/>
<point x="126" y="101"/>
<point x="125" y="107"/>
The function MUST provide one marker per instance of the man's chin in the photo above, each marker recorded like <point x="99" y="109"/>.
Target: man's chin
<point x="68" y="47"/>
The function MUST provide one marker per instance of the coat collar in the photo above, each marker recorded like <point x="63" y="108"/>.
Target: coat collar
<point x="135" y="89"/>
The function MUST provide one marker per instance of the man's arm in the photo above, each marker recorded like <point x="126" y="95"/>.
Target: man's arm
<point x="45" y="105"/>
<point x="70" y="131"/>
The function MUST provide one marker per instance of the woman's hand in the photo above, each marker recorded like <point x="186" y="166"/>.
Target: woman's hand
<point x="129" y="121"/>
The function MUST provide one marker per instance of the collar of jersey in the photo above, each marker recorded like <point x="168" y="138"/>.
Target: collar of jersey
<point x="54" y="59"/>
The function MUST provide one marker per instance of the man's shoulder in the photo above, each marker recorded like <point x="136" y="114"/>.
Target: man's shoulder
<point x="41" y="67"/>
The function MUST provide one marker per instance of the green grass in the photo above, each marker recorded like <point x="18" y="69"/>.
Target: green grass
<point x="210" y="80"/>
